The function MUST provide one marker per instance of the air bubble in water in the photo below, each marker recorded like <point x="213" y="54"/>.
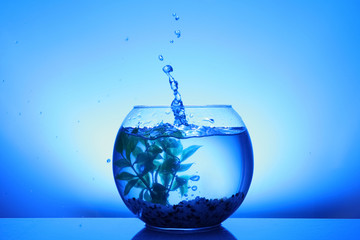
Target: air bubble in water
<point x="194" y="188"/>
<point x="177" y="18"/>
<point x="161" y="58"/>
<point x="108" y="161"/>
<point x="174" y="14"/>
<point x="195" y="178"/>
<point x="177" y="33"/>
<point x="210" y="120"/>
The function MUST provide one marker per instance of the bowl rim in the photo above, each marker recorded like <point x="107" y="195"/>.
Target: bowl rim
<point x="186" y="106"/>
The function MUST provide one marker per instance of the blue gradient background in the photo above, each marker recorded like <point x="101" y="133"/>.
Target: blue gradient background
<point x="70" y="71"/>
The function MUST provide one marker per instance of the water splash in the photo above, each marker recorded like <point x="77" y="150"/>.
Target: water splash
<point x="177" y="105"/>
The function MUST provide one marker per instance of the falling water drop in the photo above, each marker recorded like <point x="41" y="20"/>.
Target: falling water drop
<point x="177" y="33"/>
<point x="167" y="69"/>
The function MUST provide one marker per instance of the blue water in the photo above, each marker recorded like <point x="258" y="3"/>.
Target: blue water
<point x="221" y="166"/>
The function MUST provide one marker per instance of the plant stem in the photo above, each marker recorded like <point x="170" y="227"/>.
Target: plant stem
<point x="137" y="174"/>
<point x="156" y="174"/>
<point x="171" y="183"/>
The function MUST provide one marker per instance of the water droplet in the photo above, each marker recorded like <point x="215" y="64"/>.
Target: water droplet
<point x="194" y="188"/>
<point x="174" y="14"/>
<point x="78" y="121"/>
<point x="210" y="120"/>
<point x="40" y="113"/>
<point x="19" y="113"/>
<point x="171" y="41"/>
<point x="93" y="179"/>
<point x="161" y="58"/>
<point x="80" y="225"/>
<point x="191" y="115"/>
<point x="177" y="18"/>
<point x="195" y="178"/>
<point x="127" y="39"/>
<point x="16" y="42"/>
<point x="98" y="101"/>
<point x="108" y="161"/>
<point x="168" y="69"/>
<point x="177" y="33"/>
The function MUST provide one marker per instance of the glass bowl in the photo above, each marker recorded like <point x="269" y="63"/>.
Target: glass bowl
<point x="187" y="177"/>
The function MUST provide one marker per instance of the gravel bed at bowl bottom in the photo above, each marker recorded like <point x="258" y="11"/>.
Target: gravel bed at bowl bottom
<point x="196" y="213"/>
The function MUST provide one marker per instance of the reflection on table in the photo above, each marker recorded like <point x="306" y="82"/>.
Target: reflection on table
<point x="216" y="234"/>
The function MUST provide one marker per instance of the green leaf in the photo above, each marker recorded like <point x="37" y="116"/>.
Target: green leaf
<point x="122" y="163"/>
<point x="129" y="186"/>
<point x="130" y="146"/>
<point x="167" y="142"/>
<point x="143" y="181"/>
<point x="119" y="143"/>
<point x="175" y="151"/>
<point x="179" y="181"/>
<point x="177" y="134"/>
<point x="184" y="167"/>
<point x="189" y="151"/>
<point x="137" y="151"/>
<point x="184" y="189"/>
<point x="155" y="149"/>
<point x="125" y="176"/>
<point x="165" y="178"/>
<point x="147" y="196"/>
<point x="170" y="165"/>
<point x="142" y="158"/>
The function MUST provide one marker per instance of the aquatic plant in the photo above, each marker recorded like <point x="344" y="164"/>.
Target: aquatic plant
<point x="153" y="166"/>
